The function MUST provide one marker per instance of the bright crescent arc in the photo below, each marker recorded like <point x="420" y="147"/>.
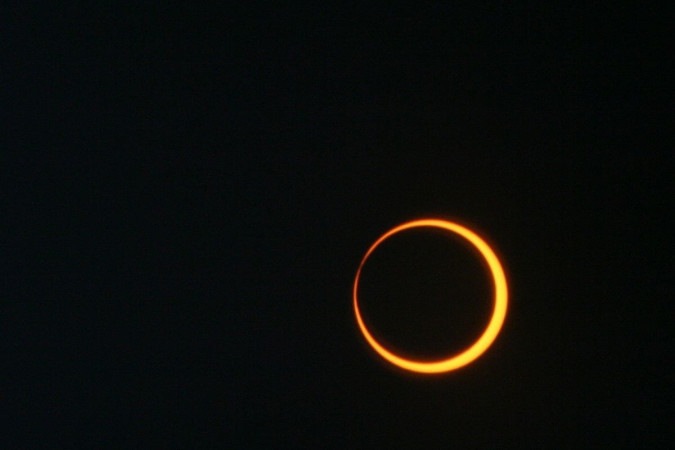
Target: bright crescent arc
<point x="491" y="331"/>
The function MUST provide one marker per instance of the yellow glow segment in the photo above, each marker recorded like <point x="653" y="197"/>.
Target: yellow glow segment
<point x="498" y="314"/>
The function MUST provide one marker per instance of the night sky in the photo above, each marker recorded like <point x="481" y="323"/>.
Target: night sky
<point x="189" y="190"/>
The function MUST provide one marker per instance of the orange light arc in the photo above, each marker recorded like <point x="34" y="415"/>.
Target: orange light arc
<point x="476" y="349"/>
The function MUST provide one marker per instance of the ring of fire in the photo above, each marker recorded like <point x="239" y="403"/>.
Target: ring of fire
<point x="491" y="331"/>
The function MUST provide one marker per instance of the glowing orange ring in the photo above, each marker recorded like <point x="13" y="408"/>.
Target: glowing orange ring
<point x="498" y="314"/>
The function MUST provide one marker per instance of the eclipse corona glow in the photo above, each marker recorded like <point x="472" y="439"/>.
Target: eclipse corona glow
<point x="498" y="313"/>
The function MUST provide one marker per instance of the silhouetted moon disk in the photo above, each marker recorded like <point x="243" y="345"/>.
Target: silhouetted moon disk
<point x="491" y="331"/>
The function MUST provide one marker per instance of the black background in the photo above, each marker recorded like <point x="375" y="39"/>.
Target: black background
<point x="189" y="190"/>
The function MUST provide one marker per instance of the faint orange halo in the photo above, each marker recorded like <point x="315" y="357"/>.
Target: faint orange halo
<point x="491" y="331"/>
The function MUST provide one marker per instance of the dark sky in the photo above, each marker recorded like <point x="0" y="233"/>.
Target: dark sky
<point x="188" y="191"/>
